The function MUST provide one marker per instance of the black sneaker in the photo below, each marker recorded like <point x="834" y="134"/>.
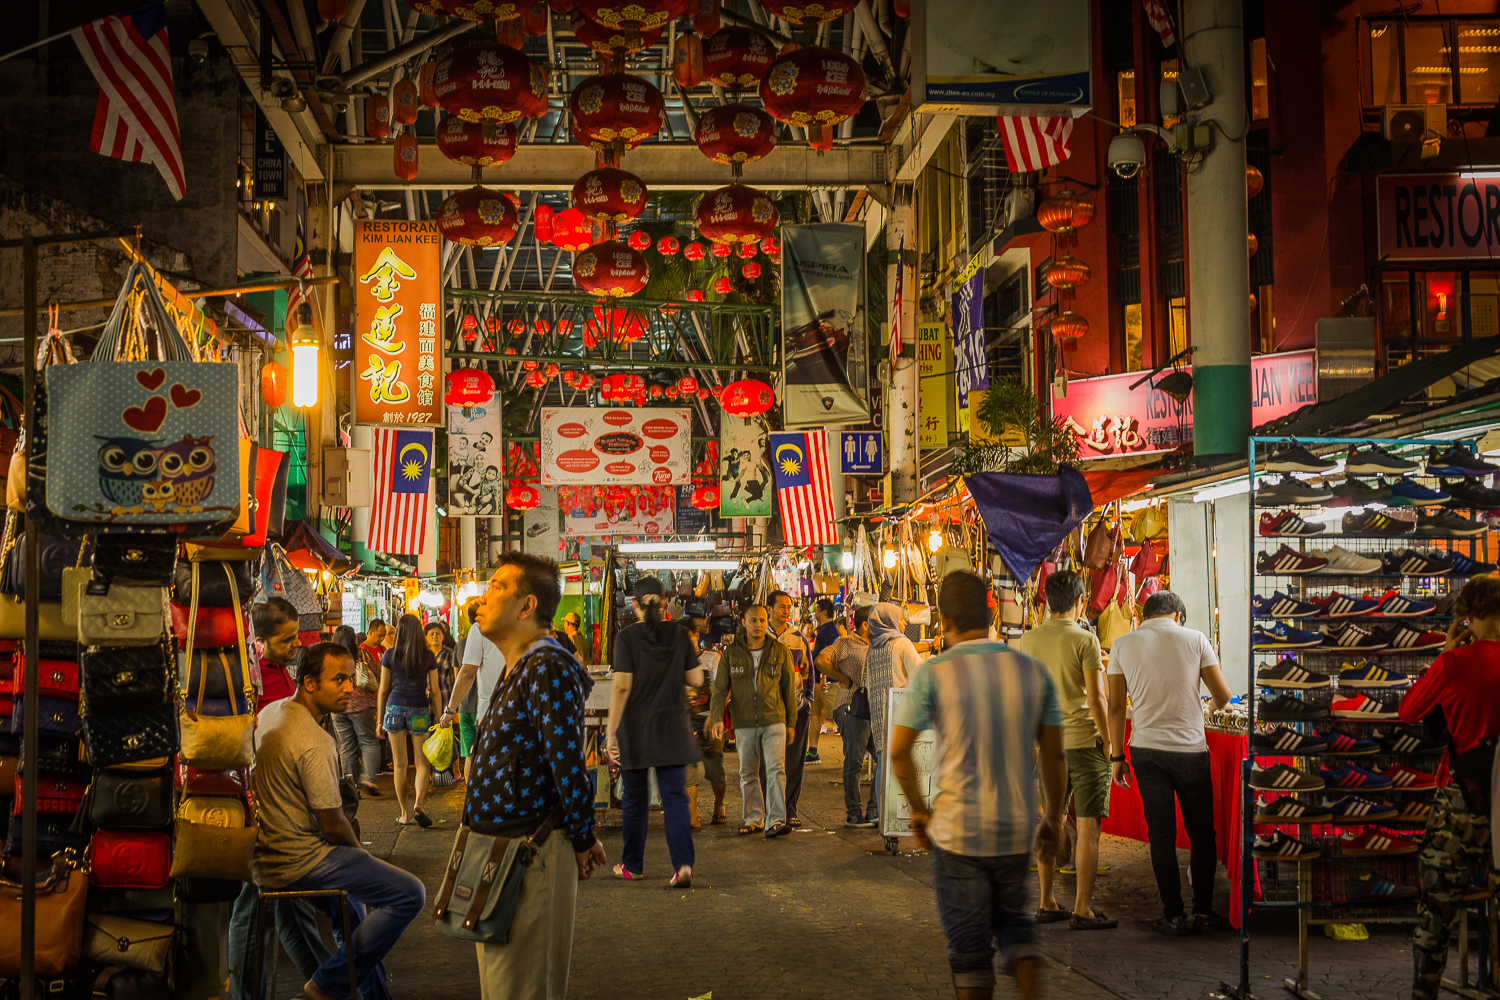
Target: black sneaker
<point x="1289" y="674"/>
<point x="1360" y="492"/>
<point x="1285" y="708"/>
<point x="1399" y="741"/>
<point x="1443" y="524"/>
<point x="1374" y="889"/>
<point x="1281" y="740"/>
<point x="1279" y="847"/>
<point x="1284" y="778"/>
<point x="1376" y="522"/>
<point x="1295" y="458"/>
<point x="1463" y="493"/>
<point x="1458" y="461"/>
<point x="1351" y="638"/>
<point x="1288" y="810"/>
<point x="1376" y="461"/>
<point x="1412" y="562"/>
<point x="1462" y="565"/>
<point x="1293" y="491"/>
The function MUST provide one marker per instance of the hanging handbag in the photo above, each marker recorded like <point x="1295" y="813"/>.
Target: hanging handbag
<point x="54" y="796"/>
<point x="110" y="939"/>
<point x="133" y="859"/>
<point x="54" y="715"/>
<point x="208" y="668"/>
<point x="1148" y="561"/>
<point x="136" y="766"/>
<point x="54" y="834"/>
<point x="58" y="756"/>
<point x="55" y="649"/>
<point x="1103" y="545"/>
<point x="213" y="587"/>
<point x="213" y="839"/>
<point x="54" y="679"/>
<point x="49" y="620"/>
<point x="131" y="801"/>
<point x="223" y="741"/>
<point x="168" y="427"/>
<point x="141" y="560"/>
<point x="482" y="885"/>
<point x="244" y="522"/>
<point x="55" y="555"/>
<point x="121" y="738"/>
<point x="120" y="616"/>
<point x="233" y="783"/>
<point x="61" y="900"/>
<point x="1114" y="622"/>
<point x="124" y="678"/>
<point x="279" y="578"/>
<point x="215" y="626"/>
<point x="1102" y="585"/>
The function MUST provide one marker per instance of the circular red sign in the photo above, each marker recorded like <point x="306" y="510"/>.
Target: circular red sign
<point x="618" y="418"/>
<point x="619" y="468"/>
<point x="659" y="453"/>
<point x="661" y="474"/>
<point x="618" y="443"/>
<point x="652" y="528"/>
<point x="578" y="461"/>
<point x="659" y="429"/>
<point x="572" y="431"/>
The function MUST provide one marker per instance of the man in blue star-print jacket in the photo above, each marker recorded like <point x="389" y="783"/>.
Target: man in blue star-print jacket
<point x="529" y="762"/>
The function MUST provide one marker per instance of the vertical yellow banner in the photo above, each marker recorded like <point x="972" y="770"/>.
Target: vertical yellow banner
<point x="398" y="323"/>
<point x="935" y="385"/>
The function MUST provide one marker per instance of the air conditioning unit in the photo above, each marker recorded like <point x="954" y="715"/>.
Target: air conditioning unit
<point x="1413" y="122"/>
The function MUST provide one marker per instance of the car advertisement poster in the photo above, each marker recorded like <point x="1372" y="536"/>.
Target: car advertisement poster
<point x="616" y="447"/>
<point x="826" y="365"/>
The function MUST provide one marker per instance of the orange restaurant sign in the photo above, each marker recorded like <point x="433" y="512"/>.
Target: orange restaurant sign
<point x="397" y="322"/>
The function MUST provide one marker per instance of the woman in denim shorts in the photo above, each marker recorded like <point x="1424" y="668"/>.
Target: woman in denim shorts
<point x="408" y="703"/>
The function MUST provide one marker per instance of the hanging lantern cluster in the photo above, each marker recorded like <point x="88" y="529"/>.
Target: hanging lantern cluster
<point x="621" y="387"/>
<point x="747" y="398"/>
<point x="477" y="217"/>
<point x="613" y="325"/>
<point x="476" y="144"/>
<point x="611" y="268"/>
<point x="736" y="214"/>
<point x="800" y="12"/>
<point x="487" y="81"/>
<point x="815" y="88"/>
<point x="610" y="43"/>
<point x="633" y="17"/>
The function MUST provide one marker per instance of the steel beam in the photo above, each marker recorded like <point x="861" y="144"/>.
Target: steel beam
<point x="675" y="166"/>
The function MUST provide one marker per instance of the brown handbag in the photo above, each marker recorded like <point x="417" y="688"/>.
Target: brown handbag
<point x="213" y="839"/>
<point x="217" y="742"/>
<point x="61" y="899"/>
<point x="1104" y="544"/>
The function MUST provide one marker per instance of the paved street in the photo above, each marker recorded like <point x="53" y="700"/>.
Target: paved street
<point x="827" y="913"/>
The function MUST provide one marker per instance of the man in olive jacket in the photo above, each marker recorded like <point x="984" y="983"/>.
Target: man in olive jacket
<point x="757" y="671"/>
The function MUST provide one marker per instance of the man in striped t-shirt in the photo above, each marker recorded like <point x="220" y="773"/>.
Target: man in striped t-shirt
<point x="992" y="709"/>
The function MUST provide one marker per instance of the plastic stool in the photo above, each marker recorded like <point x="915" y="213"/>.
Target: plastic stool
<point x="258" y="957"/>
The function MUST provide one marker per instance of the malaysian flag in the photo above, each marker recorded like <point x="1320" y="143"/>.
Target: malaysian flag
<point x="398" y="509"/>
<point x="136" y="118"/>
<point x="896" y="306"/>
<point x="1035" y="143"/>
<point x="802" y="483"/>
<point x="1161" y="21"/>
<point x="301" y="268"/>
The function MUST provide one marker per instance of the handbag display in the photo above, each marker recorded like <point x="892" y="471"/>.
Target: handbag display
<point x="50" y="623"/>
<point x="279" y="578"/>
<point x="244" y="521"/>
<point x="142" y="560"/>
<point x="54" y="679"/>
<point x="482" y="884"/>
<point x="214" y="839"/>
<point x="123" y="737"/>
<point x="208" y="669"/>
<point x="61" y="899"/>
<point x="54" y="715"/>
<point x="130" y="859"/>
<point x="109" y="939"/>
<point x="214" y="580"/>
<point x="122" y="616"/>
<point x="58" y="757"/>
<point x="55" y="649"/>
<point x="149" y="764"/>
<point x="123" y="678"/>
<point x="55" y="554"/>
<point x="125" y="800"/>
<point x="1148" y="561"/>
<point x="233" y="783"/>
<point x="169" y="427"/>
<point x="1114" y="622"/>
<point x="54" y="835"/>
<point x="217" y="742"/>
<point x="1104" y="544"/>
<point x="54" y="796"/>
<point x="215" y="626"/>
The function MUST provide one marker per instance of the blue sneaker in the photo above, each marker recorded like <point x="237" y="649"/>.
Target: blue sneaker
<point x="1352" y="808"/>
<point x="1406" y="493"/>
<point x="1368" y="675"/>
<point x="1398" y="606"/>
<point x="1279" y="605"/>
<point x="1464" y="566"/>
<point x="1337" y="605"/>
<point x="1352" y="776"/>
<point x="1283" y="636"/>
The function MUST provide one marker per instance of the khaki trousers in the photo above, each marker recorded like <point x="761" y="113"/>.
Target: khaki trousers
<point x="533" y="965"/>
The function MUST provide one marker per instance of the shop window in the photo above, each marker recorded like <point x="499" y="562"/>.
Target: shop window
<point x="1395" y="306"/>
<point x="1479" y="61"/>
<point x="1433" y="61"/>
<point x="1177" y="324"/>
<point x="1260" y="85"/>
<point x="1484" y="304"/>
<point x="1169" y="72"/>
<point x="1443" y="318"/>
<point x="1385" y="62"/>
<point x="1134" y="339"/>
<point x="1125" y="85"/>
<point x="1429" y="74"/>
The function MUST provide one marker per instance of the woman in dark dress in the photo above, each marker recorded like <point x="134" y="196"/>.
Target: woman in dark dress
<point x="648" y="728"/>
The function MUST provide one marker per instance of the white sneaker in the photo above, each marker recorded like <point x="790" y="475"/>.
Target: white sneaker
<point x="1342" y="562"/>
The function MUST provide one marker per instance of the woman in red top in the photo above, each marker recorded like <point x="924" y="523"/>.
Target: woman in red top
<point x="1463" y="684"/>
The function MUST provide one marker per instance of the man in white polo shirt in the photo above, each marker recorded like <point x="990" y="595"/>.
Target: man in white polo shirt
<point x="1161" y="665"/>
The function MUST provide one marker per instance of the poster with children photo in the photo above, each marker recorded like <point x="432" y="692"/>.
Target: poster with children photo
<point x="475" y="486"/>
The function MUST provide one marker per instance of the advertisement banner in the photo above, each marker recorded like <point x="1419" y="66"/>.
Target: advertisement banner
<point x="744" y="468"/>
<point x="1111" y="419"/>
<point x="584" y="445"/>
<point x="971" y="371"/>
<point x="397" y="322"/>
<point x="934" y="385"/>
<point x="826" y="366"/>
<point x="475" y="482"/>
<point x="1002" y="57"/>
<point x="690" y="520"/>
<point x="542" y="537"/>
<point x="617" y="510"/>
<point x="1438" y="216"/>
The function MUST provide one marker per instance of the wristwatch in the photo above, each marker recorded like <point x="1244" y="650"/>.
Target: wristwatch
<point x="1117" y="760"/>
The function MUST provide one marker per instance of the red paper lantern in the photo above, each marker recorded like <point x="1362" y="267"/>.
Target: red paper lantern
<point x="668" y="246"/>
<point x="1069" y="327"/>
<point x="571" y="231"/>
<point x="470" y="327"/>
<point x="541" y="223"/>
<point x="1254" y="181"/>
<point x="474" y="143"/>
<point x="531" y="364"/>
<point x="705" y="497"/>
<point x="487" y="81"/>
<point x="723" y="286"/>
<point x="695" y="295"/>
<point x="747" y="398"/>
<point x="611" y="268"/>
<point x="615" y="325"/>
<point x="534" y="21"/>
<point x="702" y="392"/>
<point x="771" y="245"/>
<point x="610" y="194"/>
<point x="1056" y="213"/>
<point x="736" y="214"/>
<point x="1083" y="212"/>
<point x="716" y="390"/>
<point x="746" y="250"/>
<point x="1067" y="272"/>
<point x="377" y="116"/>
<point x="563" y="327"/>
<point x="273" y="383"/>
<point x="673" y="392"/>
<point x="813" y="87"/>
<point x="552" y="371"/>
<point x="751" y="270"/>
<point x="617" y="388"/>
<point x="639" y="240"/>
<point x="687" y="60"/>
<point x="639" y="399"/>
<point x="694" y="251"/>
<point x="404" y="156"/>
<point x="486" y="10"/>
<point x="333" y="10"/>
<point x="522" y="498"/>
<point x="735" y="133"/>
<point x="424" y="84"/>
<point x="616" y="111"/>
<point x="705" y="15"/>
<point x="687" y="385"/>
<point x="629" y="16"/>
<point x="736" y="57"/>
<point x="468" y="387"/>
<point x="721" y="249"/>
<point x="608" y="41"/>
<point x="404" y="101"/>
<point x="585" y="381"/>
<point x="477" y="217"/>
<point x="801" y="12"/>
<point x="536" y="379"/>
<point x="657" y="392"/>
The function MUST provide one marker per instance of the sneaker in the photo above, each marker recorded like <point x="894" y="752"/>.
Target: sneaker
<point x="1356" y="491"/>
<point x="1373" y="888"/>
<point x="1289" y="561"/>
<point x="1288" y="810"/>
<point x="1346" y="745"/>
<point x="1371" y="676"/>
<point x="1289" y="674"/>
<point x="1286" y="741"/>
<point x="1457" y="461"/>
<point x="1337" y="605"/>
<point x="1376" y="461"/>
<point x="1462" y="565"/>
<point x="1408" y="493"/>
<point x="1284" y="778"/>
<point x="1443" y="607"/>
<point x="1402" y="776"/>
<point x="1462" y="493"/>
<point x="1492" y="518"/>
<point x="1412" y="562"/>
<point x="1280" y="635"/>
<point x="1280" y="605"/>
<point x="811" y="757"/>
<point x="1295" y="458"/>
<point x="1399" y="741"/>
<point x="1294" y="491"/>
<point x="1350" y="637"/>
<point x="1376" y="522"/>
<point x="1353" y="809"/>
<point x="1352" y="776"/>
<point x="1400" y="606"/>
<point x="1444" y="524"/>
<point x="1279" y="847"/>
<point x="1361" y="706"/>
<point x="1373" y="842"/>
<point x="1288" y="525"/>
<point x="1414" y="811"/>
<point x="1412" y="639"/>
<point x="1342" y="562"/>
<point x="1285" y="708"/>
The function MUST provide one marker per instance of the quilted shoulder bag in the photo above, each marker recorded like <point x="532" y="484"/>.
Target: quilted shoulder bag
<point x="117" y="738"/>
<point x="61" y="899"/>
<point x="130" y="859"/>
<point x="55" y="555"/>
<point x="120" y="615"/>
<point x="124" y="678"/>
<point x="55" y="679"/>
<point x="110" y="939"/>
<point x="279" y="578"/>
<point x="218" y="742"/>
<point x="142" y="560"/>
<point x="54" y="796"/>
<point x="58" y="756"/>
<point x="131" y="801"/>
<point x="54" y="715"/>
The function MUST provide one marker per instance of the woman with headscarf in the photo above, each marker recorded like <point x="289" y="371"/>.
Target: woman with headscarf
<point x="891" y="661"/>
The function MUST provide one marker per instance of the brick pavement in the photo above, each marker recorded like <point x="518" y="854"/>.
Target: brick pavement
<point x="828" y="913"/>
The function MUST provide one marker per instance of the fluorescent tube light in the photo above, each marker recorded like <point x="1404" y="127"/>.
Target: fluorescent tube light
<point x="699" y="545"/>
<point x="1230" y="489"/>
<point x="679" y="564"/>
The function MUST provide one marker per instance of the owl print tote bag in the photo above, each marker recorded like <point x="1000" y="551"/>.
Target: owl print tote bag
<point x="143" y="437"/>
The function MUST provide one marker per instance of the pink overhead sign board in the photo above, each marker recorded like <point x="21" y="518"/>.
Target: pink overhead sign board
<point x="1111" y="419"/>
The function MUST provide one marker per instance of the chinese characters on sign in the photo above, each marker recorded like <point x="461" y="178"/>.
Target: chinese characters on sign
<point x="397" y="323"/>
<point x="971" y="371"/>
<point x="934" y="385"/>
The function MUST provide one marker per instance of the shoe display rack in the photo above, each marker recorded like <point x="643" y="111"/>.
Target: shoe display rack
<point x="1357" y="548"/>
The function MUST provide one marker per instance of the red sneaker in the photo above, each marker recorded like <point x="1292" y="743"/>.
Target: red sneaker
<point x="1408" y="777"/>
<point x="1373" y="842"/>
<point x="1287" y="525"/>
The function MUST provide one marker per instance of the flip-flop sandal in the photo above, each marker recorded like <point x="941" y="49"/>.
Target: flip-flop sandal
<point x="680" y="881"/>
<point x="423" y="820"/>
<point x="622" y="872"/>
<point x="1052" y="916"/>
<point x="718" y="821"/>
<point x="794" y="822"/>
<point x="748" y="829"/>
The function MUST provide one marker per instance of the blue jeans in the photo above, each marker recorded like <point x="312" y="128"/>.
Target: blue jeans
<point x="635" y="801"/>
<point x="858" y="742"/>
<point x="982" y="901"/>
<point x="359" y="749"/>
<point x="394" y="899"/>
<point x="404" y="719"/>
<point x="295" y="926"/>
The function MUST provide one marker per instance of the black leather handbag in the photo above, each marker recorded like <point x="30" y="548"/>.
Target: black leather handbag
<point x="125" y="737"/>
<point x="213" y="583"/>
<point x="138" y="560"/>
<point x="53" y="834"/>
<point x="124" y="678"/>
<point x="55" y="649"/>
<point x="57" y="757"/>
<point x="55" y="554"/>
<point x="126" y="800"/>
<point x="216" y="687"/>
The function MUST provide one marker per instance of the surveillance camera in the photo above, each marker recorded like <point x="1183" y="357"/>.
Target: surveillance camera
<point x="1127" y="153"/>
<point x="198" y="50"/>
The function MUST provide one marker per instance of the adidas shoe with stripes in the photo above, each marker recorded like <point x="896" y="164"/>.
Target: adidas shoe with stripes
<point x="1290" y="674"/>
<point x="1401" y="776"/>
<point x="1362" y="706"/>
<point x="1374" y="842"/>
<point x="1283" y="740"/>
<point x="1353" y="809"/>
<point x="1284" y="778"/>
<point x="1279" y="847"/>
<point x="1289" y="810"/>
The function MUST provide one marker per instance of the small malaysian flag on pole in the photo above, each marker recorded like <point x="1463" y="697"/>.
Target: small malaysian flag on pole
<point x="1035" y="143"/>
<point x="804" y="488"/>
<point x="1161" y="21"/>
<point x="398" y="509"/>
<point x="136" y="117"/>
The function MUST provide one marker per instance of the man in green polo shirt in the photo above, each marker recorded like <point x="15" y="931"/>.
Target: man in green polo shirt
<point x="1071" y="653"/>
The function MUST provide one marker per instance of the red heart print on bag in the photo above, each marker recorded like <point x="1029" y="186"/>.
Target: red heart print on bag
<point x="152" y="380"/>
<point x="183" y="397"/>
<point x="147" y="420"/>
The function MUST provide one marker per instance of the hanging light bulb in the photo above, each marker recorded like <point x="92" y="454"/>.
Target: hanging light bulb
<point x="847" y="560"/>
<point x="306" y="340"/>
<point x="889" y="558"/>
<point x="935" y="539"/>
